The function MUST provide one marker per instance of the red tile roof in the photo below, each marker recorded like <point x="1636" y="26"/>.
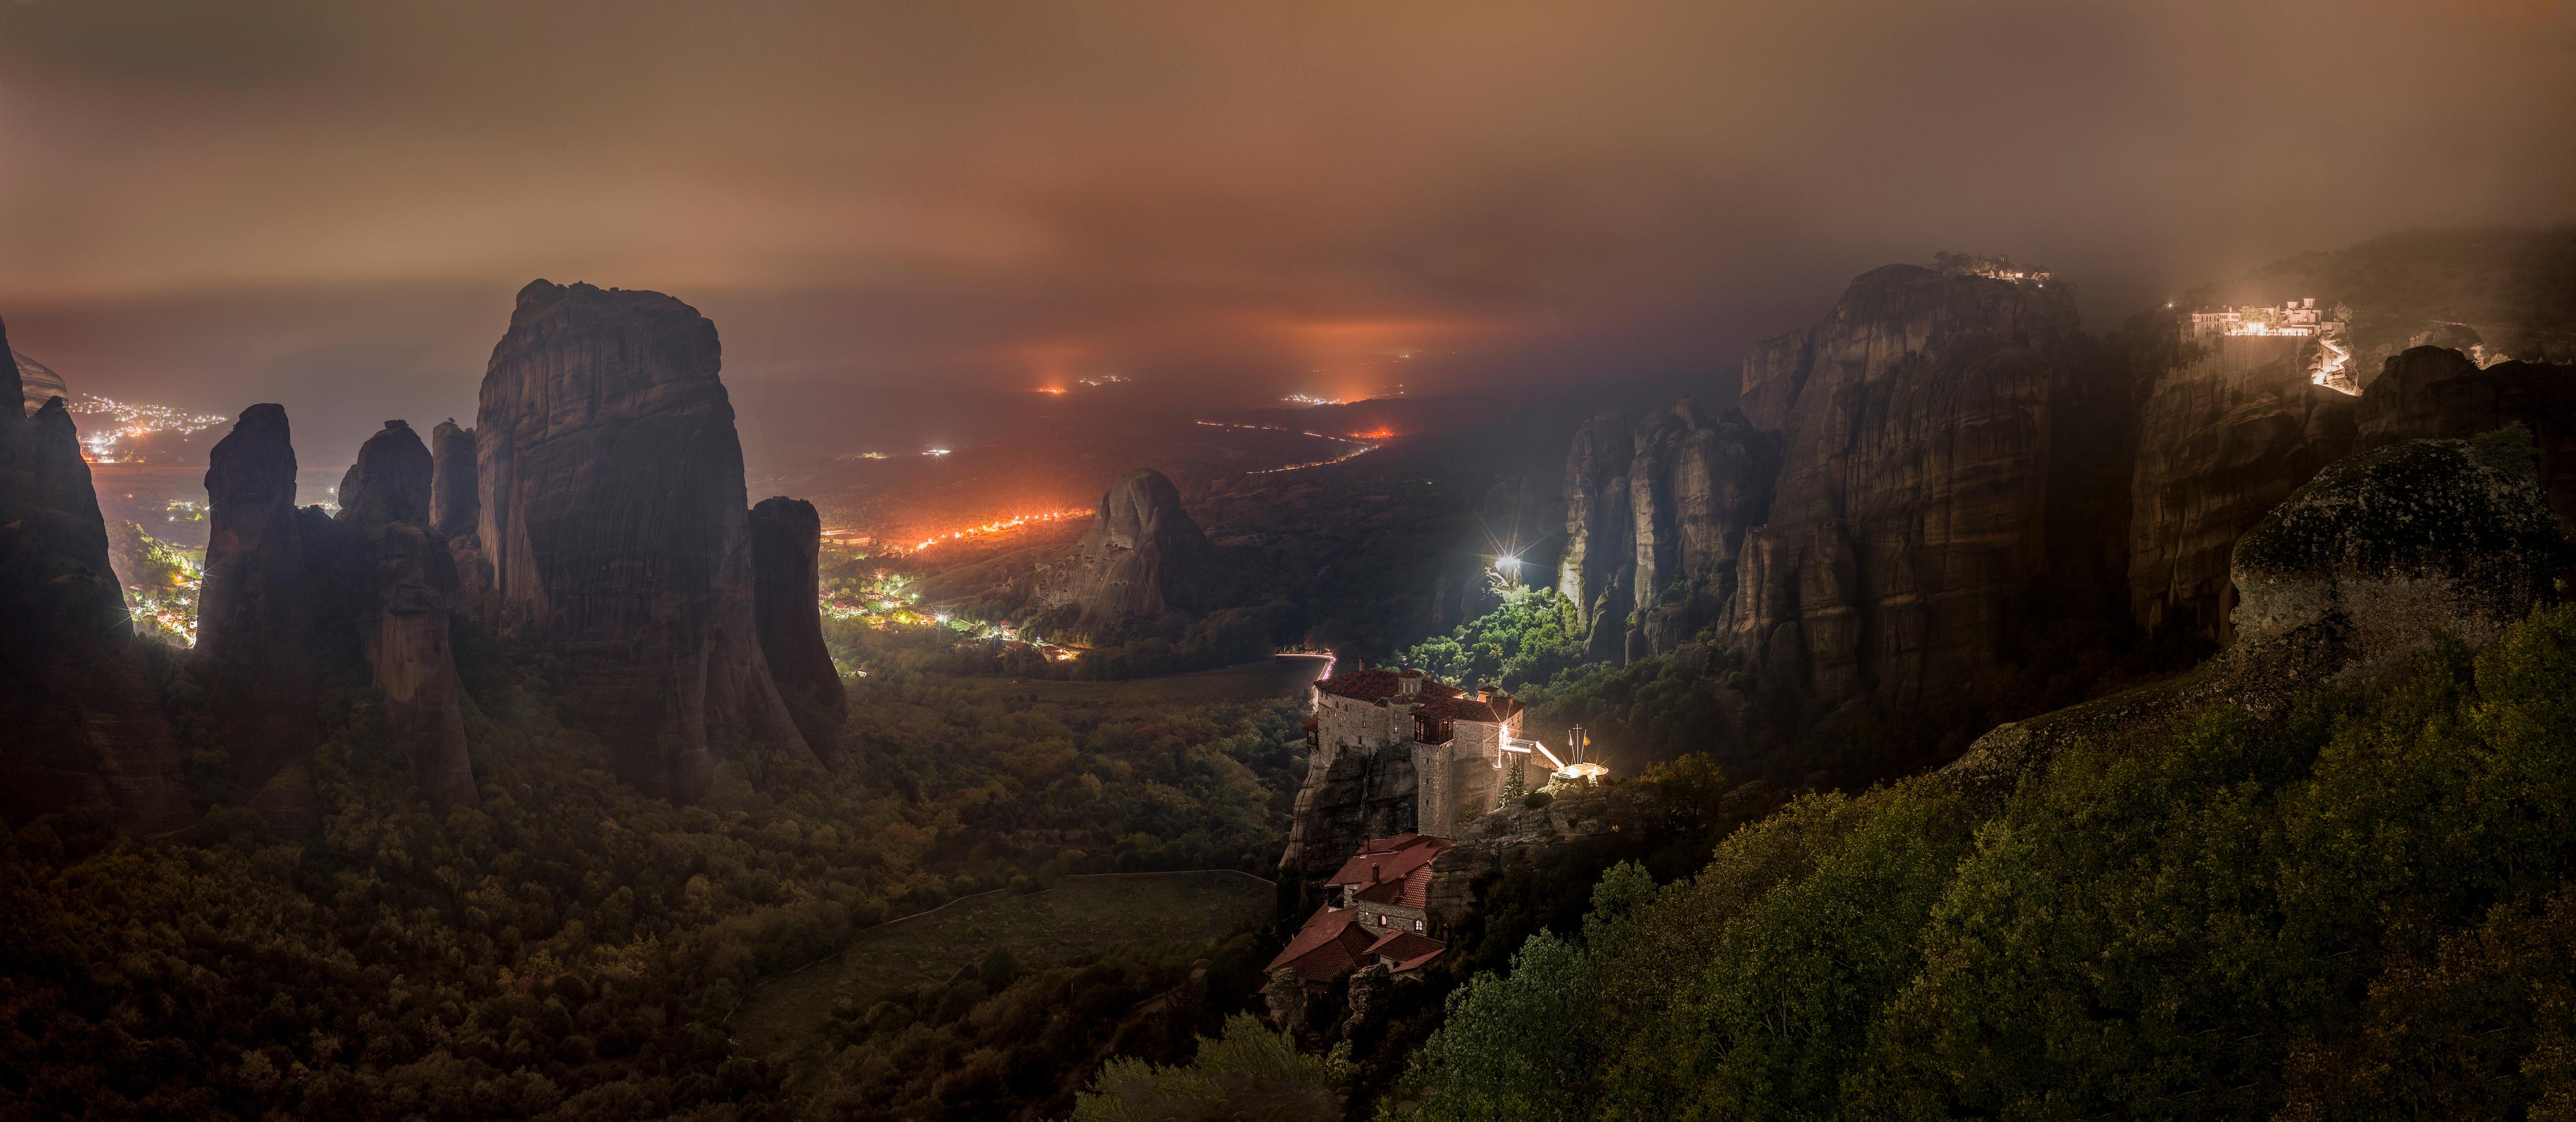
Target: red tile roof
<point x="1391" y="859"/>
<point x="1404" y="950"/>
<point x="1464" y="708"/>
<point x="1377" y="682"/>
<point x="1413" y="890"/>
<point x="1331" y="943"/>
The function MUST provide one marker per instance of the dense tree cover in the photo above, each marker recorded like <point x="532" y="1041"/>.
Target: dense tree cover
<point x="2363" y="908"/>
<point x="1529" y="638"/>
<point x="1250" y="1074"/>
<point x="570" y="948"/>
<point x="1007" y="1040"/>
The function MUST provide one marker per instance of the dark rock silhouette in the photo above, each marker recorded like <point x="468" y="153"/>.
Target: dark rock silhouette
<point x="615" y="528"/>
<point x="77" y="698"/>
<point x="786" y="548"/>
<point x="400" y="584"/>
<point x="454" y="506"/>
<point x="260" y="644"/>
<point x="1143" y="558"/>
<point x="294" y="599"/>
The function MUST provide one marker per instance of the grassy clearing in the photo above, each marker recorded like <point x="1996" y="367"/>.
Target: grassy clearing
<point x="1081" y="915"/>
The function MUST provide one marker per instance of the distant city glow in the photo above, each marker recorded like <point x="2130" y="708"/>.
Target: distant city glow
<point x="133" y="419"/>
<point x="1310" y="399"/>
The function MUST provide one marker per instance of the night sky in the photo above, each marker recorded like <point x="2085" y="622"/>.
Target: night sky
<point x="329" y="204"/>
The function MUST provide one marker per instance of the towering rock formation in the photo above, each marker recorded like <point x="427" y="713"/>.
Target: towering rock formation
<point x="399" y="582"/>
<point x="1911" y="506"/>
<point x="259" y="642"/>
<point x="615" y="527"/>
<point x="83" y="721"/>
<point x="786" y="549"/>
<point x="294" y="599"/>
<point x="455" y="518"/>
<point x="2221" y="439"/>
<point x="1144" y="557"/>
<point x="454" y="506"/>
<point x="1600" y="532"/>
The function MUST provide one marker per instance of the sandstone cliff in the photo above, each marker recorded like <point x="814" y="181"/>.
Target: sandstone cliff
<point x="2222" y="438"/>
<point x="1910" y="512"/>
<point x="400" y="585"/>
<point x="786" y="548"/>
<point x="294" y="600"/>
<point x="1873" y="516"/>
<point x="2381" y="557"/>
<point x="82" y="714"/>
<point x="614" y="522"/>
<point x="1142" y="559"/>
<point x="2433" y="392"/>
<point x="454" y="507"/>
<point x="259" y="640"/>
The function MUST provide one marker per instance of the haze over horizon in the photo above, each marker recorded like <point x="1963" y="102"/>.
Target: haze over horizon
<point x="1226" y="203"/>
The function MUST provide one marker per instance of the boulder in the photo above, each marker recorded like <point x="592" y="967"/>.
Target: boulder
<point x="614" y="523"/>
<point x="77" y="695"/>
<point x="2408" y="544"/>
<point x="786" y="549"/>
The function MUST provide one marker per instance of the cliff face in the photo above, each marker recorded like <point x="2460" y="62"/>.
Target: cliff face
<point x="2379" y="558"/>
<point x="1144" y="557"/>
<point x="2437" y="393"/>
<point x="293" y="599"/>
<point x="2221" y="440"/>
<point x="786" y="547"/>
<point x="400" y="585"/>
<point x="615" y="527"/>
<point x="258" y="639"/>
<point x="1910" y="508"/>
<point x="1600" y="531"/>
<point x="454" y="507"/>
<point x="84" y="720"/>
<point x="1872" y="515"/>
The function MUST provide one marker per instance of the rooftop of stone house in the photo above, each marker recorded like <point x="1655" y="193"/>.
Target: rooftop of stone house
<point x="1388" y="860"/>
<point x="1328" y="946"/>
<point x="1431" y="695"/>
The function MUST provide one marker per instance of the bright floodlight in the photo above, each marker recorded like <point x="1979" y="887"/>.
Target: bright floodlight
<point x="1509" y="563"/>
